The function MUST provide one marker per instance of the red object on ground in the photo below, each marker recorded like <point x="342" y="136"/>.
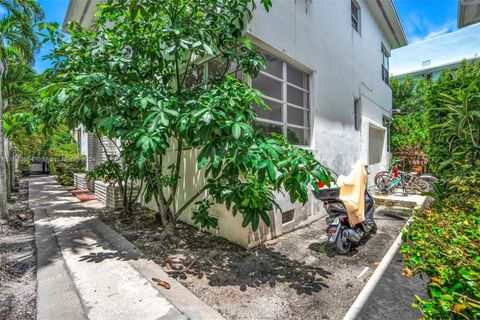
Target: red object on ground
<point x="84" y="195"/>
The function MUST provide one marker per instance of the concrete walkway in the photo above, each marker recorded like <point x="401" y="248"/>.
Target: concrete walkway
<point x="88" y="271"/>
<point x="392" y="297"/>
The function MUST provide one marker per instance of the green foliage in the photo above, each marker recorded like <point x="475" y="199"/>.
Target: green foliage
<point x="24" y="166"/>
<point x="64" y="169"/>
<point x="64" y="161"/>
<point x="132" y="77"/>
<point x="201" y="216"/>
<point x="410" y="131"/>
<point x="106" y="171"/>
<point x="444" y="242"/>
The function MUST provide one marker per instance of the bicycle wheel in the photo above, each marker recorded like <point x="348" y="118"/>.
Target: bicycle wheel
<point x="379" y="175"/>
<point x="421" y="185"/>
<point x="382" y="184"/>
<point x="430" y="179"/>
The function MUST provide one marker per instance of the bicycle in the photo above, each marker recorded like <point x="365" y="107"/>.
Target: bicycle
<point x="414" y="181"/>
<point x="386" y="181"/>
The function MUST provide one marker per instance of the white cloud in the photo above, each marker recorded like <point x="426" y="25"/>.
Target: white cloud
<point x="435" y="31"/>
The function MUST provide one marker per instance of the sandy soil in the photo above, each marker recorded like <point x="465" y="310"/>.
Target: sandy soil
<point x="18" y="260"/>
<point x="294" y="277"/>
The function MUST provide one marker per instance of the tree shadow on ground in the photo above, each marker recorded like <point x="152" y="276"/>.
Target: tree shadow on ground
<point x="223" y="263"/>
<point x="197" y="254"/>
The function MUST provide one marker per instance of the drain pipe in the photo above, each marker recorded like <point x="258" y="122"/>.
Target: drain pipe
<point x="362" y="298"/>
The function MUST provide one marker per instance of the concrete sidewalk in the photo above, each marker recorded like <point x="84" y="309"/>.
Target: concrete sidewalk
<point x="88" y="271"/>
<point x="392" y="297"/>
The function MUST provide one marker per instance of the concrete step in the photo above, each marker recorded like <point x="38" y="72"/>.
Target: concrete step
<point x="399" y="200"/>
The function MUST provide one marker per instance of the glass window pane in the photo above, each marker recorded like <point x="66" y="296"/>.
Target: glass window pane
<point x="268" y="86"/>
<point x="274" y="65"/>
<point x="274" y="114"/>
<point x="194" y="76"/>
<point x="298" y="117"/>
<point x="267" y="128"/>
<point x="297" y="97"/>
<point x="217" y="67"/>
<point x="297" y="77"/>
<point x="297" y="136"/>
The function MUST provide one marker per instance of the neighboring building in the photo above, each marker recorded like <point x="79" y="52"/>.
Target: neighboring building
<point x="327" y="82"/>
<point x="430" y="57"/>
<point x="468" y="12"/>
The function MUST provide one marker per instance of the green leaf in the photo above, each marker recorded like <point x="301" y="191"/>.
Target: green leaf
<point x="236" y="131"/>
<point x="271" y="171"/>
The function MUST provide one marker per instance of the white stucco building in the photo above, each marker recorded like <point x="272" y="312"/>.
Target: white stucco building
<point x="327" y="85"/>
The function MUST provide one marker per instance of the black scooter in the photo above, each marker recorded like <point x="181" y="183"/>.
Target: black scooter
<point x="341" y="234"/>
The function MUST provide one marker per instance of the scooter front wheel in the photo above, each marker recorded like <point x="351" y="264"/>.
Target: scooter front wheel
<point x="342" y="245"/>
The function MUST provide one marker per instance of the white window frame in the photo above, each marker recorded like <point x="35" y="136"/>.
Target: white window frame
<point x="285" y="104"/>
<point x="385" y="68"/>
<point x="358" y="19"/>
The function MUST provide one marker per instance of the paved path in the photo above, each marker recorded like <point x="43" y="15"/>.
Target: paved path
<point x="88" y="271"/>
<point x="392" y="297"/>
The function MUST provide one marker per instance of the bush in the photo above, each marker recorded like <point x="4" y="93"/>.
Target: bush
<point x="64" y="161"/>
<point x="64" y="169"/>
<point x="24" y="167"/>
<point x="444" y="242"/>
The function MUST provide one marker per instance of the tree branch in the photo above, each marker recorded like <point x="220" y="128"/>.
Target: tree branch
<point x="189" y="202"/>
<point x="177" y="171"/>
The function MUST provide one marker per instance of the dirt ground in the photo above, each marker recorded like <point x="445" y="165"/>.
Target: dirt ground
<point x="18" y="259"/>
<point x="294" y="277"/>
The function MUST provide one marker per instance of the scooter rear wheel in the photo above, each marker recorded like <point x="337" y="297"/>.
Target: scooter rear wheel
<point x="342" y="245"/>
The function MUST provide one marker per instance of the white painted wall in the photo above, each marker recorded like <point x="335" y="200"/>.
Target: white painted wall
<point x="343" y="63"/>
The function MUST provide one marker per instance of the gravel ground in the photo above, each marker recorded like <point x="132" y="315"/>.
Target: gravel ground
<point x="293" y="277"/>
<point x="18" y="259"/>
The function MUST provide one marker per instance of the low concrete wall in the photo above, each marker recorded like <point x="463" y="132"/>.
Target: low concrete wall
<point x="109" y="194"/>
<point x="80" y="182"/>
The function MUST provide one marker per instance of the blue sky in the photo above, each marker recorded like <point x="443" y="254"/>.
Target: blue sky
<point x="421" y="19"/>
<point x="425" y="19"/>
<point x="54" y="12"/>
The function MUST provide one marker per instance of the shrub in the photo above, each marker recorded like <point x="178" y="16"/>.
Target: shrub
<point x="64" y="161"/>
<point x="24" y="167"/>
<point x="65" y="168"/>
<point x="444" y="242"/>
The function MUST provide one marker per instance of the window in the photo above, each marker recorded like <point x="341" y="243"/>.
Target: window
<point x="357" y="113"/>
<point x="288" y="216"/>
<point x="211" y="70"/>
<point x="427" y="76"/>
<point x="355" y="16"/>
<point x="385" y="66"/>
<point x="285" y="90"/>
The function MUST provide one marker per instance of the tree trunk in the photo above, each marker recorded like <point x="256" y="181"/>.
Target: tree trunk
<point x="3" y="172"/>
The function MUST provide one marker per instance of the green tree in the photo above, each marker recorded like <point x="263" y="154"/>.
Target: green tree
<point x="137" y="77"/>
<point x="17" y="42"/>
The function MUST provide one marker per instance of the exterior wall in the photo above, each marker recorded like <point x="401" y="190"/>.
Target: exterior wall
<point x="110" y="194"/>
<point x="91" y="148"/>
<point x="316" y="37"/>
<point x="343" y="65"/>
<point x="80" y="182"/>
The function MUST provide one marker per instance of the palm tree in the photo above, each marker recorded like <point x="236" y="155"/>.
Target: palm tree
<point x="17" y="34"/>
